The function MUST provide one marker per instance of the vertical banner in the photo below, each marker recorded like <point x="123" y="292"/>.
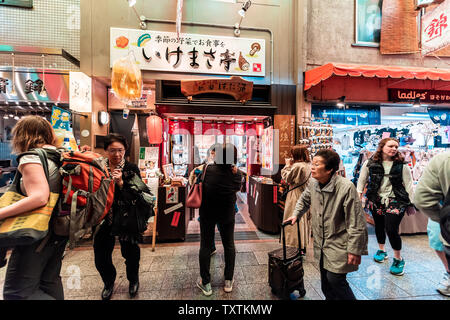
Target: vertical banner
<point x="61" y="126"/>
<point x="285" y="124"/>
<point x="436" y="29"/>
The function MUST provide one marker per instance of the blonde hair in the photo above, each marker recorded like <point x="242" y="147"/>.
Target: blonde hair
<point x="32" y="132"/>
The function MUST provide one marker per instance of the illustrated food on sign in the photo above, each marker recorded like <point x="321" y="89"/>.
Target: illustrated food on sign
<point x="243" y="64"/>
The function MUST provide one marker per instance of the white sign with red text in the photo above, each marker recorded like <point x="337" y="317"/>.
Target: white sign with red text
<point x="436" y="28"/>
<point x="190" y="53"/>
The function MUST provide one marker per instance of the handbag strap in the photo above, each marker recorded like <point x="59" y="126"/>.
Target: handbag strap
<point x="204" y="172"/>
<point x="42" y="157"/>
<point x="299" y="184"/>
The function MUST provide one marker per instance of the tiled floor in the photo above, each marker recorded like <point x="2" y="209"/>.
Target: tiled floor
<point x="171" y="271"/>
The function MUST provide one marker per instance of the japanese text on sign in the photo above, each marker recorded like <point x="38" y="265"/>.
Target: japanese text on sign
<point x="193" y="53"/>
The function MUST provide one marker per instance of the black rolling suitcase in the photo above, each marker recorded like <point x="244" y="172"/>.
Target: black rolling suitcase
<point x="286" y="269"/>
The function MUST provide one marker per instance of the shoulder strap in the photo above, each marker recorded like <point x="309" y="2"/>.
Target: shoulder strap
<point x="300" y="184"/>
<point x="204" y="171"/>
<point x="42" y="156"/>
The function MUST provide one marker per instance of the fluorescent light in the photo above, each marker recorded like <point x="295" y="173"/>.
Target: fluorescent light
<point x="131" y="3"/>
<point x="416" y="114"/>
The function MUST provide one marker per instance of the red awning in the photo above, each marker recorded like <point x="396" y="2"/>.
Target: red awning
<point x="316" y="75"/>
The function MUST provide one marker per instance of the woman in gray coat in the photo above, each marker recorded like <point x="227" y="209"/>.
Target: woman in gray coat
<point x="338" y="224"/>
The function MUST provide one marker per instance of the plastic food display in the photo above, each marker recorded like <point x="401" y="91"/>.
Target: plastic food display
<point x="126" y="79"/>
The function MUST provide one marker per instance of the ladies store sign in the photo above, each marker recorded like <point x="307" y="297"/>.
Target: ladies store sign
<point x="192" y="53"/>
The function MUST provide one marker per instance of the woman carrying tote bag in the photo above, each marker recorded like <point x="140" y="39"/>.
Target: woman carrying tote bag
<point x="297" y="173"/>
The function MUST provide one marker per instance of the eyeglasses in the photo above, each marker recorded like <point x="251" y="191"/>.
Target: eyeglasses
<point x="112" y="151"/>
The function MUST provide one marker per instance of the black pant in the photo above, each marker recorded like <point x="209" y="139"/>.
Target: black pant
<point x="35" y="276"/>
<point x="207" y="232"/>
<point x="335" y="285"/>
<point x="389" y="224"/>
<point x="103" y="247"/>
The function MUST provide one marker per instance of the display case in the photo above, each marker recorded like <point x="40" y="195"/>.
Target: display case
<point x="262" y="200"/>
<point x="180" y="154"/>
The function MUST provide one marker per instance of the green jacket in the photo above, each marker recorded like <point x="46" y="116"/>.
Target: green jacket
<point x="433" y="186"/>
<point x="338" y="222"/>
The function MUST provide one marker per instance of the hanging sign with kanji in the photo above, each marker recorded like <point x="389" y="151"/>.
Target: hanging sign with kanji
<point x="190" y="53"/>
<point x="236" y="87"/>
<point x="436" y="29"/>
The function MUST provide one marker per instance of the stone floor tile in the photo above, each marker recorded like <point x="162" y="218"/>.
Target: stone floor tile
<point x="83" y="286"/>
<point x="261" y="257"/>
<point x="246" y="259"/>
<point x="255" y="274"/>
<point x="415" y="284"/>
<point x="310" y="271"/>
<point x="378" y="287"/>
<point x="152" y="280"/>
<point x="178" y="279"/>
<point x="159" y="251"/>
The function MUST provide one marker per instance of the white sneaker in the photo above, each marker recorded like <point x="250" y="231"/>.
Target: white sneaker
<point x="228" y="285"/>
<point x="206" y="289"/>
<point x="444" y="286"/>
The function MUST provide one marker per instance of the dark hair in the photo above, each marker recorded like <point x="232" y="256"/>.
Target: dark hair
<point x="114" y="137"/>
<point x="378" y="155"/>
<point x="300" y="153"/>
<point x="226" y="154"/>
<point x="331" y="158"/>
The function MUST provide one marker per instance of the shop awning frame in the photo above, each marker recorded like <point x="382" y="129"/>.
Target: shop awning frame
<point x="39" y="51"/>
<point x="319" y="74"/>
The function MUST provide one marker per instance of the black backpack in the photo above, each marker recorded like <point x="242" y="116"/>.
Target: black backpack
<point x="445" y="218"/>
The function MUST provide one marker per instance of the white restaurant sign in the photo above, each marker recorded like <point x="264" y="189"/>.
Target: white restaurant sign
<point x="436" y="28"/>
<point x="193" y="53"/>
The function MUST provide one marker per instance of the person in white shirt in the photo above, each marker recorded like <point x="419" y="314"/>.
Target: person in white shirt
<point x="389" y="192"/>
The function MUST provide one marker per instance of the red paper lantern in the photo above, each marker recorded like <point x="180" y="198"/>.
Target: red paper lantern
<point x="260" y="129"/>
<point x="154" y="130"/>
<point x="239" y="129"/>
<point x="250" y="129"/>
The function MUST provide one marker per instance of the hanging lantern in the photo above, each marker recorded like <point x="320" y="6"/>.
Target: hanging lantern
<point x="259" y="128"/>
<point x="154" y="129"/>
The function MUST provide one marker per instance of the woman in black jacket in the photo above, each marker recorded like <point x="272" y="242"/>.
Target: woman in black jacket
<point x="131" y="209"/>
<point x="220" y="184"/>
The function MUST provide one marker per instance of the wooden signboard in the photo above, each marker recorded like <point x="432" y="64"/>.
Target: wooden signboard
<point x="285" y="124"/>
<point x="236" y="87"/>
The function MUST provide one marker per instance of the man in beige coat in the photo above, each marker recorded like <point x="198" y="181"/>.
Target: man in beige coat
<point x="338" y="224"/>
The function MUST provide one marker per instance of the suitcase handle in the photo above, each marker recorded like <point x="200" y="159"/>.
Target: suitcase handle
<point x="283" y="225"/>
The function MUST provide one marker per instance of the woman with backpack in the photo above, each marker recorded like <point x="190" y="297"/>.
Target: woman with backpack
<point x="297" y="173"/>
<point x="127" y="218"/>
<point x="33" y="270"/>
<point x="389" y="192"/>
<point x="220" y="184"/>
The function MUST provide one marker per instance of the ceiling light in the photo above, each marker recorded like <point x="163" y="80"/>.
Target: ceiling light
<point x="341" y="102"/>
<point x="16" y="117"/>
<point x="131" y="3"/>
<point x="11" y="115"/>
<point x="5" y="116"/>
<point x="416" y="103"/>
